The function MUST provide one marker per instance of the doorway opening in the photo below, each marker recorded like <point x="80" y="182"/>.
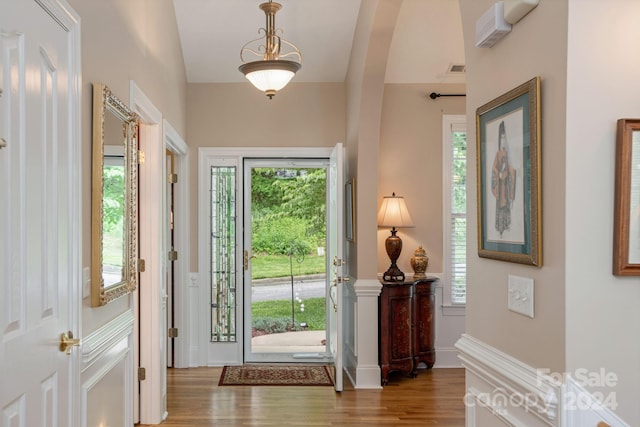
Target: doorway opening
<point x="225" y="253"/>
<point x="285" y="223"/>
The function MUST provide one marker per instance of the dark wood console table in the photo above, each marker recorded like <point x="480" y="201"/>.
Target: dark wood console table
<point x="407" y="326"/>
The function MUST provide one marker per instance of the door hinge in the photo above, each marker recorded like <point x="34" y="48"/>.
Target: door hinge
<point x="140" y="157"/>
<point x="173" y="178"/>
<point x="142" y="374"/>
<point x="141" y="266"/>
<point x="173" y="332"/>
<point x="173" y="255"/>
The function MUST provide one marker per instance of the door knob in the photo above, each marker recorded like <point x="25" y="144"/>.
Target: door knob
<point x="67" y="342"/>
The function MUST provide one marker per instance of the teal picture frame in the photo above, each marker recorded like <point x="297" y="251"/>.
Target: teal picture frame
<point x="509" y="176"/>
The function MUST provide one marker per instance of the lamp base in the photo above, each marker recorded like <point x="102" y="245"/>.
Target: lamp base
<point x="393" y="274"/>
<point x="393" y="245"/>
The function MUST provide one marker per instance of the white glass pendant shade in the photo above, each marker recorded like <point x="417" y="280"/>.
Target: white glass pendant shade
<point x="270" y="76"/>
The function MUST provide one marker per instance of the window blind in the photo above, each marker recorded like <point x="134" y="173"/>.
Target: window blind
<point x="458" y="217"/>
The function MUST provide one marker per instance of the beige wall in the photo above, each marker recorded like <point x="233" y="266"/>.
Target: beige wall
<point x="536" y="46"/>
<point x="238" y="115"/>
<point x="602" y="312"/>
<point x="125" y="40"/>
<point x="586" y="318"/>
<point x="365" y="92"/>
<point x="410" y="164"/>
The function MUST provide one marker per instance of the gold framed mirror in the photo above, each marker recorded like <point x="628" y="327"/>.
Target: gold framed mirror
<point x="114" y="199"/>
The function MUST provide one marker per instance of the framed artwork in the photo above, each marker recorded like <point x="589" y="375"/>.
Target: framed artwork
<point x="350" y="212"/>
<point x="626" y="219"/>
<point x="508" y="166"/>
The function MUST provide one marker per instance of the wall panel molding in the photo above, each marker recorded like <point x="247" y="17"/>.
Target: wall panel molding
<point x="515" y="393"/>
<point x="106" y="338"/>
<point x="362" y="362"/>
<point x="581" y="408"/>
<point x="107" y="365"/>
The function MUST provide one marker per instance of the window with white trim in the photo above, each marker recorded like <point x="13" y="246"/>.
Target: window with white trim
<point x="455" y="208"/>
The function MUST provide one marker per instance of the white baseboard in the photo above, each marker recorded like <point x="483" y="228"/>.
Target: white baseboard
<point x="368" y="377"/>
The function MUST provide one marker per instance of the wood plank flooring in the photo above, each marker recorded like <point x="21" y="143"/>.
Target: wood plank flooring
<point x="433" y="398"/>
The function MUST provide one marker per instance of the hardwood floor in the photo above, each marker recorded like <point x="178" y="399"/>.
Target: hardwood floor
<point x="433" y="398"/>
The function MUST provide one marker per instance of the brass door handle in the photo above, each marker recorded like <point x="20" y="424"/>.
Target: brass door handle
<point x="67" y="342"/>
<point x="333" y="302"/>
<point x="246" y="259"/>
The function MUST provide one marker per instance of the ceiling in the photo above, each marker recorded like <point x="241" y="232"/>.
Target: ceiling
<point x="426" y="42"/>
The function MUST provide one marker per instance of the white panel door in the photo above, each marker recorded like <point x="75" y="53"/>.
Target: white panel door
<point x="335" y="231"/>
<point x="39" y="212"/>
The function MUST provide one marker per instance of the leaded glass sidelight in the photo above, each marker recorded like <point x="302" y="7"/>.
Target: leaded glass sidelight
<point x="223" y="253"/>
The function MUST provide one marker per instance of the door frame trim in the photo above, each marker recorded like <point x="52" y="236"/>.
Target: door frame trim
<point x="200" y="316"/>
<point x="151" y="209"/>
<point x="177" y="145"/>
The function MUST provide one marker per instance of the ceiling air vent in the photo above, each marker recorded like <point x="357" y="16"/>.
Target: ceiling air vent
<point x="457" y="68"/>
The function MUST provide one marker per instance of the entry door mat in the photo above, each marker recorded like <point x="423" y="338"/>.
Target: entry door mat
<point x="285" y="375"/>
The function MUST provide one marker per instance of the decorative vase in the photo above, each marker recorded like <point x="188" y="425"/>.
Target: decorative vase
<point x="419" y="263"/>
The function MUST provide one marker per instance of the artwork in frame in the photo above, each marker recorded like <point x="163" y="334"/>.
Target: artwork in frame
<point x="509" y="176"/>
<point x="626" y="219"/>
<point x="350" y="214"/>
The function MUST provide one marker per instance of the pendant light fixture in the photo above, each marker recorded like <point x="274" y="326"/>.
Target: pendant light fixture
<point x="274" y="65"/>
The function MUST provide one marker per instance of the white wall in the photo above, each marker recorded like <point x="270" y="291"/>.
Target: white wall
<point x="602" y="315"/>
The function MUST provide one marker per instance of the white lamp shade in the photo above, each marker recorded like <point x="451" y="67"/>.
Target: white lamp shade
<point x="270" y="75"/>
<point x="394" y="213"/>
<point x="270" y="79"/>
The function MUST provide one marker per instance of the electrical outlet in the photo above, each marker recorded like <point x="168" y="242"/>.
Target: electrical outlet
<point x="520" y="298"/>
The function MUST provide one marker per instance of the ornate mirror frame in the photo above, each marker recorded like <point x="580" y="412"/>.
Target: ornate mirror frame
<point x="114" y="200"/>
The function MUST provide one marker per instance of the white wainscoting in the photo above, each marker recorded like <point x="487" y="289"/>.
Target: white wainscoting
<point x="349" y="349"/>
<point x="193" y="316"/>
<point x="582" y="409"/>
<point x="362" y="359"/>
<point x="107" y="365"/>
<point x="502" y="390"/>
<point x="449" y="328"/>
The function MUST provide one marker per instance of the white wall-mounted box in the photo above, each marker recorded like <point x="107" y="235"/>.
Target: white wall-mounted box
<point x="491" y="26"/>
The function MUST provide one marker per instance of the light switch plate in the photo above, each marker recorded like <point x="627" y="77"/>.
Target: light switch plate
<point x="520" y="298"/>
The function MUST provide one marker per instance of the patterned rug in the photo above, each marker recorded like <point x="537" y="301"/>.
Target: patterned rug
<point x="291" y="375"/>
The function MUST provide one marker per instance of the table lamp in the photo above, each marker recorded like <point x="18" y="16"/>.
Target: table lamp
<point x="394" y="213"/>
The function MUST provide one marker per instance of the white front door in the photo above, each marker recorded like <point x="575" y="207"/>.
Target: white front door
<point x="335" y="230"/>
<point x="295" y="288"/>
<point x="222" y="291"/>
<point x="40" y="216"/>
